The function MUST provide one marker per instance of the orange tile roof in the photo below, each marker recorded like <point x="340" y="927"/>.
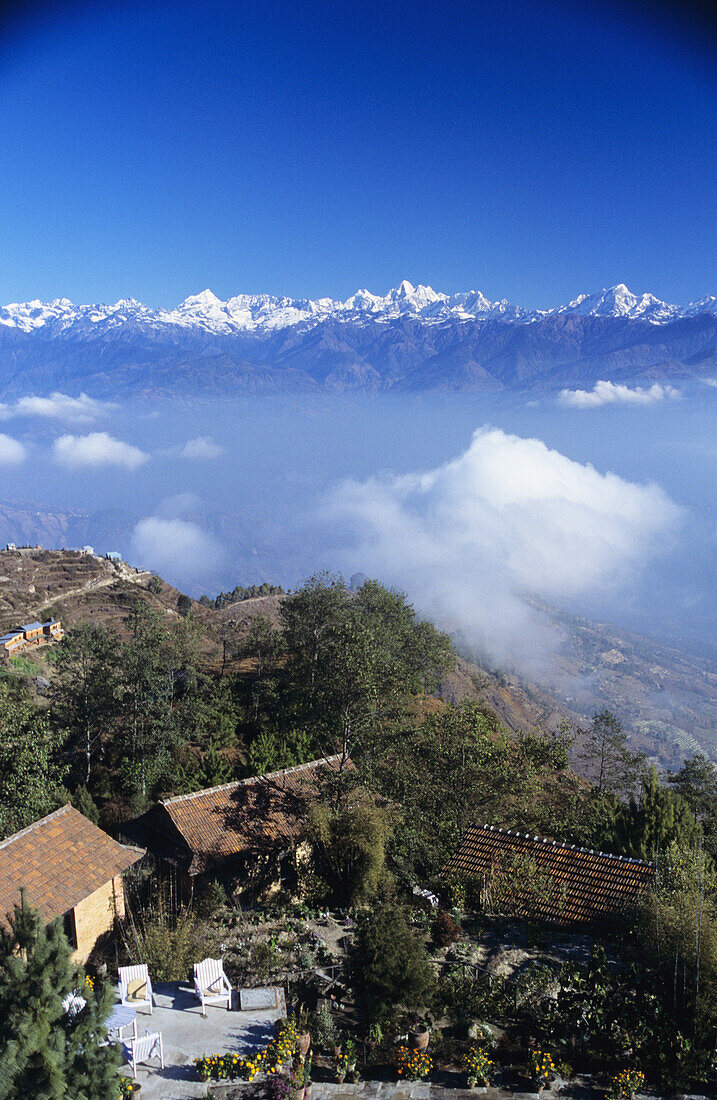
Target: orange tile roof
<point x="261" y="814"/>
<point x="60" y="859"/>
<point x="590" y="885"/>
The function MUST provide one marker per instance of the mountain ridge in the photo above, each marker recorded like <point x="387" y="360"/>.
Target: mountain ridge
<point x="247" y="312"/>
<point x="412" y="339"/>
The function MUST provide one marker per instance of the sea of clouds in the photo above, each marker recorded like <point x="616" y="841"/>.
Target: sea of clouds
<point x="508" y="518"/>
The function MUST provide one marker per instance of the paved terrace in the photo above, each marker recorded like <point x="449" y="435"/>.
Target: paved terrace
<point x="187" y="1035"/>
<point x="579" y="1089"/>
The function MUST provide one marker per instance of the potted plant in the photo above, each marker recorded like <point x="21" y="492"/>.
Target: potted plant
<point x="341" y="1068"/>
<point x="419" y="1035"/>
<point x="279" y="1088"/>
<point x="624" y="1085"/>
<point x="128" y="1087"/>
<point x="299" y="1078"/>
<point x="478" y="1067"/>
<point x="540" y="1068"/>
<point x="301" y="1023"/>
<point x="412" y="1064"/>
<point x="374" y="1036"/>
<point x="350" y="1054"/>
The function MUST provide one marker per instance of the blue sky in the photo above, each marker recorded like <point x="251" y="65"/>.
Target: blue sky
<point x="529" y="150"/>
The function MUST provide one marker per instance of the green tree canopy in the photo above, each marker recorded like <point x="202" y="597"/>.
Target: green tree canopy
<point x="655" y="819"/>
<point x="32" y="768"/>
<point x="85" y="690"/>
<point x="44" y="1053"/>
<point x="353" y="659"/>
<point x="696" y="783"/>
<point x="349" y="841"/>
<point x="391" y="966"/>
<point x="604" y="757"/>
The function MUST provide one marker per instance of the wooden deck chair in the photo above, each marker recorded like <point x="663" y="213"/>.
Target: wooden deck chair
<point x="135" y="987"/>
<point x="142" y="1049"/>
<point x="211" y="984"/>
<point x="73" y="1004"/>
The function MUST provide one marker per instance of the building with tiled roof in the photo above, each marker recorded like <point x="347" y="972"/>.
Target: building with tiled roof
<point x="67" y="868"/>
<point x="244" y="832"/>
<point x="542" y="878"/>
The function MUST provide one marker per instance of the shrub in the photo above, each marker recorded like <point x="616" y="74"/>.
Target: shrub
<point x="324" y="1031"/>
<point x="214" y="897"/>
<point x="168" y="940"/>
<point x="444" y="930"/>
<point x="390" y="964"/>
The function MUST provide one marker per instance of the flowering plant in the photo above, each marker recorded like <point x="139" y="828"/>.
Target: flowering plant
<point x="478" y="1065"/>
<point x="626" y="1084"/>
<point x="287" y="1035"/>
<point x="413" y="1064"/>
<point x="279" y="1088"/>
<point x="127" y="1086"/>
<point x="541" y="1066"/>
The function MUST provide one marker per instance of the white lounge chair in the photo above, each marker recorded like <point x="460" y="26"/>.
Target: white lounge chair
<point x="211" y="984"/>
<point x="142" y="1049"/>
<point x="135" y="987"/>
<point x="73" y="1004"/>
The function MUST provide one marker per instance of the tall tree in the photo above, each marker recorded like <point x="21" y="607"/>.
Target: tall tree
<point x="354" y="659"/>
<point x="32" y="768"/>
<point x="45" y="1053"/>
<point x="655" y="819"/>
<point x="696" y="782"/>
<point x="604" y="756"/>
<point x="150" y="726"/>
<point x="85" y="690"/>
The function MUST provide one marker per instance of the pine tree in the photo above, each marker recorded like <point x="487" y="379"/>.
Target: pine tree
<point x="656" y="819"/>
<point x="45" y="1054"/>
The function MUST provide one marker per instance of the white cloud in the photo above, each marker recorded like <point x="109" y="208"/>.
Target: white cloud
<point x="612" y="393"/>
<point x="509" y="517"/>
<point x="201" y="447"/>
<point x="59" y="406"/>
<point x="96" y="449"/>
<point x="710" y="382"/>
<point x="12" y="451"/>
<point x="179" y="550"/>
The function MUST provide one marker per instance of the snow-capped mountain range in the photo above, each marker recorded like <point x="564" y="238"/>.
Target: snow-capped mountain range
<point x="257" y="312"/>
<point x="412" y="338"/>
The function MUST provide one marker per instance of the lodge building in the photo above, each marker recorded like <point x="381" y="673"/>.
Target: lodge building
<point x="30" y="636"/>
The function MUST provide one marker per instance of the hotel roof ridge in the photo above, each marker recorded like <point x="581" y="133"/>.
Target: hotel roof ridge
<point x="560" y="844"/>
<point x="330" y="760"/>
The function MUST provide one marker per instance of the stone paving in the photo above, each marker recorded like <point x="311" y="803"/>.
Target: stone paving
<point x="579" y="1089"/>
<point x="187" y="1035"/>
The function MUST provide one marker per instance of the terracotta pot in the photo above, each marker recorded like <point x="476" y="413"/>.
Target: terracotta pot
<point x="419" y="1037"/>
<point x="298" y="1094"/>
<point x="304" y="1044"/>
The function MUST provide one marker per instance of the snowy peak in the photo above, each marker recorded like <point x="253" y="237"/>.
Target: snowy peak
<point x="618" y="301"/>
<point x="246" y="313"/>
